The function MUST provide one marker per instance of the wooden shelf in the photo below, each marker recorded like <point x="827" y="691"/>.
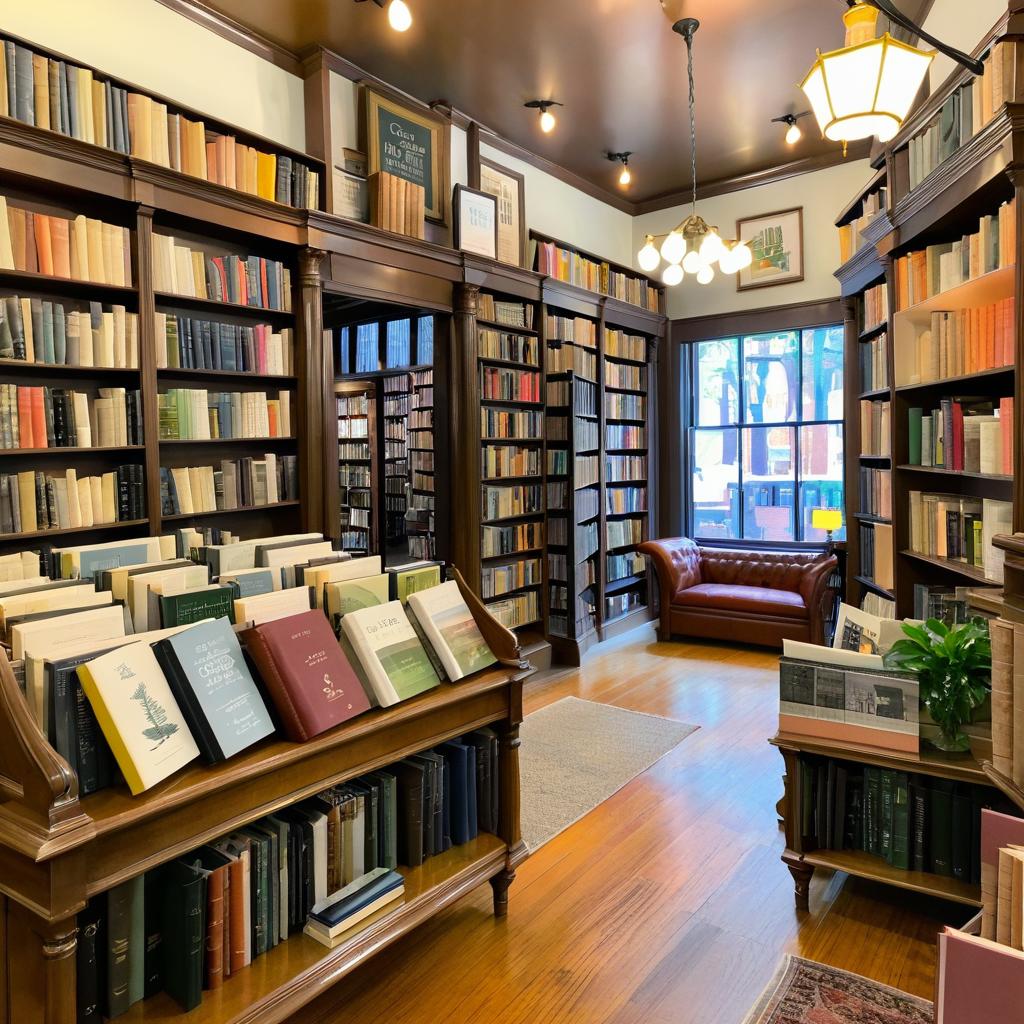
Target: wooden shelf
<point x="1005" y="784"/>
<point x="285" y="379"/>
<point x="864" y="517"/>
<point x="866" y="581"/>
<point x="41" y="534"/>
<point x="981" y="291"/>
<point x="870" y="332"/>
<point x="55" y="450"/>
<point x="946" y="382"/>
<point x="875" y="458"/>
<point x="62" y="370"/>
<point x="227" y="440"/>
<point x="970" y="572"/>
<point x="867" y="396"/>
<point x="504" y="328"/>
<point x="216" y="305"/>
<point x="70" y="286"/>
<point x="991" y="477"/>
<point x="176" y="516"/>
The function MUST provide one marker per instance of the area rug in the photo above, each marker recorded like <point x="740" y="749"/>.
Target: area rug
<point x="576" y="753"/>
<point x="803" y="992"/>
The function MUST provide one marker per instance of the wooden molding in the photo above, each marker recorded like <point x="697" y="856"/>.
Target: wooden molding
<point x="234" y="32"/>
<point x="795" y="315"/>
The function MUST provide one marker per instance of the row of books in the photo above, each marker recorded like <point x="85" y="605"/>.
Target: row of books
<point x="501" y="311"/>
<point x="34" y="500"/>
<point x="965" y="435"/>
<point x="964" y="113"/>
<point x="620" y="567"/>
<point x="500" y="384"/>
<point x="958" y="343"/>
<point x="950" y="605"/>
<point x="354" y="452"/>
<point x="201" y="415"/>
<point x="568" y="356"/>
<point x="625" y="437"/>
<point x="876" y="306"/>
<point x="516" y="348"/>
<point x="568" y="265"/>
<point x="580" y="395"/>
<point x="628" y="377"/>
<point x="618" y="605"/>
<point x="874" y="363"/>
<point x="851" y="234"/>
<point x="876" y="492"/>
<point x="875" y="434"/>
<point x="195" y="344"/>
<point x="353" y="405"/>
<point x="496" y="541"/>
<point x="518" y="610"/>
<point x="960" y="529"/>
<point x="622" y="345"/>
<point x="352" y="428"/>
<point x="623" y="500"/>
<point x="236" y="483"/>
<point x="496" y="580"/>
<point x="55" y="333"/>
<point x="397" y="204"/>
<point x="625" y="407"/>
<point x="623" y="533"/>
<point x="877" y="554"/>
<point x="508" y="460"/>
<point x="945" y="265"/>
<point x="1008" y="698"/>
<point x="584" y="536"/>
<point x="243" y="280"/>
<point x="80" y="248"/>
<point x="623" y="468"/>
<point x="510" y="500"/>
<point x="62" y="97"/>
<point x="580" y="330"/>
<point x="43" y="417"/>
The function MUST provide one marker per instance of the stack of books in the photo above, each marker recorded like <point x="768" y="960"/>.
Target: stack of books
<point x="500" y="384"/>
<point x="597" y="276"/>
<point x="965" y="435"/>
<point x="960" y="529"/>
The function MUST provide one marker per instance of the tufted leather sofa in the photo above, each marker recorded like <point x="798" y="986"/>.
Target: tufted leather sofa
<point x="758" y="597"/>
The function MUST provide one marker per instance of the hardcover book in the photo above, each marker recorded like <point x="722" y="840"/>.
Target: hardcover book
<point x="138" y="714"/>
<point x="349" y="595"/>
<point x="207" y="673"/>
<point x="311" y="683"/>
<point x="450" y="628"/>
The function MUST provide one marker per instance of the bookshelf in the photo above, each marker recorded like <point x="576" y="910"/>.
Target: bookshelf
<point x="357" y="467"/>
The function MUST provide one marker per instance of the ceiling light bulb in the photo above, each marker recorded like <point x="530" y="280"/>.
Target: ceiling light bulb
<point x="547" y="121"/>
<point x="727" y="261"/>
<point x="399" y="15"/>
<point x="794" y="135"/>
<point x="742" y="256"/>
<point x="711" y="247"/>
<point x="625" y="177"/>
<point x="693" y="262"/>
<point x="673" y="249"/>
<point x="648" y="257"/>
<point x="672" y="274"/>
<point x="705" y="275"/>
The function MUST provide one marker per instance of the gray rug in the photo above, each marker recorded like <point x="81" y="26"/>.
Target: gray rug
<point x="576" y="753"/>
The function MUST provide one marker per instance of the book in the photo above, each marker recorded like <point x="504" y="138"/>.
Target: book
<point x="183" y="926"/>
<point x="138" y="714"/>
<point x="330" y="919"/>
<point x="346" y="596"/>
<point x="389" y="652"/>
<point x="208" y="674"/>
<point x="449" y="626"/>
<point x="978" y="980"/>
<point x="311" y="683"/>
<point x="277" y="604"/>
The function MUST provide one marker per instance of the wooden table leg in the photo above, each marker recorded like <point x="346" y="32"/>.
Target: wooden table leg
<point x="500" y="884"/>
<point x="802" y="873"/>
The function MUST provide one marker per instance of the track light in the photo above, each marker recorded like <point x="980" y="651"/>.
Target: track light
<point x="399" y="15"/>
<point x="547" y="119"/>
<point x="793" y="132"/>
<point x="625" y="177"/>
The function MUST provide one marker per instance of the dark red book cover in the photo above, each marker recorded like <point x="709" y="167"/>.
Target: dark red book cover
<point x="306" y="674"/>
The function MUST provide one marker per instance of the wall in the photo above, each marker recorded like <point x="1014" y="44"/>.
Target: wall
<point x="822" y="194"/>
<point x="961" y="24"/>
<point x="155" y="48"/>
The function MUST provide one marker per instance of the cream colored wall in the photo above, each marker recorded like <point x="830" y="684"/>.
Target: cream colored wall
<point x="155" y="48"/>
<point x="822" y="194"/>
<point x="962" y="24"/>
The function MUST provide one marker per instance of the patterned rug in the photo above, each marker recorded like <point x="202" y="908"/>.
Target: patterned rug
<point x="803" y="992"/>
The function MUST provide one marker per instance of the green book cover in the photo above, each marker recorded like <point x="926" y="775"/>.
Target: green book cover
<point x="901" y="822"/>
<point x="885" y="814"/>
<point x="194" y="605"/>
<point x="361" y="593"/>
<point x="914" y="438"/>
<point x="409" y="581"/>
<point x="408" y="667"/>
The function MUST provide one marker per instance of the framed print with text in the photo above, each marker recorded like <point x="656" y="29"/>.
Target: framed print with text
<point x="475" y="221"/>
<point x="509" y="189"/>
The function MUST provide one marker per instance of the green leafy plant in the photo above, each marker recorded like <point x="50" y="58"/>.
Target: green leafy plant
<point x="954" y="665"/>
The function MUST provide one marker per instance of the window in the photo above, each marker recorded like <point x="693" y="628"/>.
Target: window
<point x="766" y="440"/>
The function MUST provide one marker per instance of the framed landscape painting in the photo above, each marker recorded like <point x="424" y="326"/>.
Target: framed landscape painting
<point x="777" y="242"/>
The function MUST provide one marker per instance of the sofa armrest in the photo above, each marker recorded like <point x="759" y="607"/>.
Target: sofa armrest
<point x="813" y="587"/>
<point x="677" y="562"/>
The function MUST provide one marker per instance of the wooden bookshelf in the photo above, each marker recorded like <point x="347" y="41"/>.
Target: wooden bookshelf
<point x="358" y="468"/>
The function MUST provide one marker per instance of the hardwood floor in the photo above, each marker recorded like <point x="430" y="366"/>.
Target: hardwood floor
<point x="668" y="903"/>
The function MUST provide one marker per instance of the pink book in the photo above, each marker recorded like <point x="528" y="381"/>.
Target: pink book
<point x="1006" y="432"/>
<point x="978" y="981"/>
<point x="261" y="348"/>
<point x="997" y="831"/>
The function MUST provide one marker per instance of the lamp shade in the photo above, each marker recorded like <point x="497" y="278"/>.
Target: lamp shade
<point x="828" y="519"/>
<point x="867" y="88"/>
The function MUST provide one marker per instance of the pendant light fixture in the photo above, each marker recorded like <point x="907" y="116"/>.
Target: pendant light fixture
<point x="399" y="15"/>
<point x="868" y="87"/>
<point x="693" y="246"/>
<point x="547" y="119"/>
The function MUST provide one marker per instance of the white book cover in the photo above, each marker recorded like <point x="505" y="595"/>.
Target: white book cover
<point x="450" y="628"/>
<point x="19" y="565"/>
<point x="48" y="601"/>
<point x="299" y="554"/>
<point x="242" y="555"/>
<point x="278" y="604"/>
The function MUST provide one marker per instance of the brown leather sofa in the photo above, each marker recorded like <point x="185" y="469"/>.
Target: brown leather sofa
<point x="757" y="597"/>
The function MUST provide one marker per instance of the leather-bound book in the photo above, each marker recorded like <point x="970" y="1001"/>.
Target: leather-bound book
<point x="184" y="932"/>
<point x="311" y="683"/>
<point x="411" y="777"/>
<point x="217" y="866"/>
<point x="90" y="959"/>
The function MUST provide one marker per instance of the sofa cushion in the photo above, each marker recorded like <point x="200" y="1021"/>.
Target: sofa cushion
<point x="773" y="570"/>
<point x="738" y="598"/>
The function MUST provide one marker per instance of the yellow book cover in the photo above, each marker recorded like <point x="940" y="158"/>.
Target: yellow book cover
<point x="266" y="169"/>
<point x="94" y="238"/>
<point x="4" y="105"/>
<point x="99" y="113"/>
<point x="6" y="247"/>
<point x="41" y="89"/>
<point x="86" y="116"/>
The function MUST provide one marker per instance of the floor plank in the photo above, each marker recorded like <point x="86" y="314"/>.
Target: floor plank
<point x="666" y="904"/>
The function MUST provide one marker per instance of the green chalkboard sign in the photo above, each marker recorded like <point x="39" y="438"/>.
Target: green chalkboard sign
<point x="408" y="144"/>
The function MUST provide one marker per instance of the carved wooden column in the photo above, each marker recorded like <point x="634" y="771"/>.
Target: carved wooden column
<point x="509" y="800"/>
<point x="314" y="368"/>
<point x="40" y="964"/>
<point x="464" y="408"/>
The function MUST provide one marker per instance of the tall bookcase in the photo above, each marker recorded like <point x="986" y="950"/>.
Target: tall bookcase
<point x="357" y="468"/>
<point x="948" y="322"/>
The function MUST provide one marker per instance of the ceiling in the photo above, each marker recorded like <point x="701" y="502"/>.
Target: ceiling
<point x="615" y="64"/>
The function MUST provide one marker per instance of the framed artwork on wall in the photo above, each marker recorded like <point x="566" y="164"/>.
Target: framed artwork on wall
<point x="410" y="143"/>
<point x="475" y="221"/>
<point x="509" y="190"/>
<point x="777" y="242"/>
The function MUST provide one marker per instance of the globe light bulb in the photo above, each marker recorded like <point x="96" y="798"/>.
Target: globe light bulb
<point x="673" y="249"/>
<point x="711" y="248"/>
<point x="648" y="257"/>
<point x="727" y="261"/>
<point x="399" y="15"/>
<point x="625" y="177"/>
<point x="705" y="275"/>
<point x="672" y="274"/>
<point x="693" y="262"/>
<point x="793" y="134"/>
<point x="547" y="122"/>
<point x="742" y="256"/>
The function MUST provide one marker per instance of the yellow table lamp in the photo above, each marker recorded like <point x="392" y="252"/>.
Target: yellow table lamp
<point x="827" y="519"/>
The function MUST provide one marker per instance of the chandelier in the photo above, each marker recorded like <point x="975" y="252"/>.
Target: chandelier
<point x="693" y="246"/>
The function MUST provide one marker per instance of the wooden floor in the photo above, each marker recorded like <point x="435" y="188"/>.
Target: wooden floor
<point x="668" y="903"/>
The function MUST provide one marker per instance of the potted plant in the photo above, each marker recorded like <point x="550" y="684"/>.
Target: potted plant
<point x="954" y="665"/>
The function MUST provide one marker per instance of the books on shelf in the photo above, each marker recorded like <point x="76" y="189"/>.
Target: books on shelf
<point x="874" y="363"/>
<point x="503" y="502"/>
<point x="964" y="435"/>
<point x="960" y="529"/>
<point x="78" y="248"/>
<point x="580" y="330"/>
<point x="503" y="579"/>
<point x="191" y="343"/>
<point x="516" y="348"/>
<point x="235" y="484"/>
<point x="516" y="611"/>
<point x="397" y="204"/>
<point x="876" y="492"/>
<point x="851" y="234"/>
<point x="501" y="384"/>
<point x="62" y="97"/>
<point x="58" y="333"/>
<point x="1008" y="698"/>
<point x="876" y="306"/>
<point x="877" y="556"/>
<point x="43" y="417"/>
<point x="198" y="414"/>
<point x="622" y="345"/>
<point x="565" y="264"/>
<point x="625" y="407"/>
<point x="253" y="281"/>
<point x="332" y="919"/>
<point x="875" y="428"/>
<point x="563" y="358"/>
<point x="503" y="311"/>
<point x="921" y="275"/>
<point x="496" y="541"/>
<point x="633" y="378"/>
<point x="521" y="425"/>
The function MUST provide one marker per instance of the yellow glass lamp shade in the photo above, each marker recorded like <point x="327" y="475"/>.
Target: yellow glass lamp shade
<point x="867" y="88"/>
<point x="827" y="519"/>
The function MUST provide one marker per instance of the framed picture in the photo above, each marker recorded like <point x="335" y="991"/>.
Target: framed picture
<point x="476" y="221"/>
<point x="411" y="144"/>
<point x="777" y="242"/>
<point x="509" y="189"/>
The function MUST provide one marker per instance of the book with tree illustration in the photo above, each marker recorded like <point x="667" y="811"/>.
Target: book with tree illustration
<point x="138" y="714"/>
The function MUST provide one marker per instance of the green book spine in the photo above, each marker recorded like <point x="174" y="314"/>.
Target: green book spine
<point x="901" y="822"/>
<point x="885" y="814"/>
<point x="940" y="828"/>
<point x="872" y="798"/>
<point x="914" y="437"/>
<point x="184" y="609"/>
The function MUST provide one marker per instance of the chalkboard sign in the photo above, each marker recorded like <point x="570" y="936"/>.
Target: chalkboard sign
<point x="408" y="144"/>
